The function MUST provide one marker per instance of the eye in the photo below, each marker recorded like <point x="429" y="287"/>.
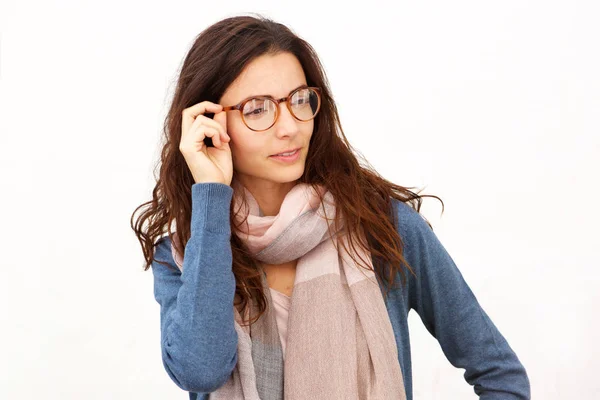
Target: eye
<point x="256" y="111"/>
<point x="301" y="98"/>
<point x="256" y="108"/>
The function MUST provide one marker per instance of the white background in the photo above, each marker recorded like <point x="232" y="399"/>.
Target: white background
<point x="493" y="106"/>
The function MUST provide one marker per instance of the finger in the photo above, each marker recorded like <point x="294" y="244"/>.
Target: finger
<point x="200" y="120"/>
<point x="213" y="133"/>
<point x="189" y="114"/>
<point x="221" y="119"/>
<point x="218" y="126"/>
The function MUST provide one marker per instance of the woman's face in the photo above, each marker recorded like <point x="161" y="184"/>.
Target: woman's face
<point x="277" y="76"/>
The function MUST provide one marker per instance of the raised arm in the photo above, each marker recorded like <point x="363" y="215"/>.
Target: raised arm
<point x="198" y="338"/>
<point x="451" y="313"/>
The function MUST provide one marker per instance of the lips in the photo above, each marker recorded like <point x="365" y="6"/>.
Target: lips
<point x="287" y="151"/>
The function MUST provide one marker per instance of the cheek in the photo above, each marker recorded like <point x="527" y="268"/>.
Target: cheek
<point x="236" y="131"/>
<point x="231" y="125"/>
<point x="246" y="146"/>
<point x="308" y="129"/>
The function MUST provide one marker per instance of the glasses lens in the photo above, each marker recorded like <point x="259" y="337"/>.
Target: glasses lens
<point x="305" y="104"/>
<point x="259" y="114"/>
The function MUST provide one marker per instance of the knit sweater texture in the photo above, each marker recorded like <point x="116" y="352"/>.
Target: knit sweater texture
<point x="199" y="341"/>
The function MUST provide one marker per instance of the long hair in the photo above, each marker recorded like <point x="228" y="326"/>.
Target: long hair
<point x="363" y="198"/>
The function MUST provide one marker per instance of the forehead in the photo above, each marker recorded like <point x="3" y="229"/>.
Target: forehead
<point x="275" y="75"/>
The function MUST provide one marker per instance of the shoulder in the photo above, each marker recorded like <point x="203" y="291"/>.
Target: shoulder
<point x="422" y="248"/>
<point x="410" y="224"/>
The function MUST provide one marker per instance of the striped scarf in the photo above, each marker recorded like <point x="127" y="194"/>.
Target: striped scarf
<point x="340" y="342"/>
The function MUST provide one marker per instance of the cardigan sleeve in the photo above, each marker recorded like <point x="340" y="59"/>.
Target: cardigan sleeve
<point x="198" y="337"/>
<point x="451" y="313"/>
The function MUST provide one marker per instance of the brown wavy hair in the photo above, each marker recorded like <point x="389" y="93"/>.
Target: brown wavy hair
<point x="363" y="198"/>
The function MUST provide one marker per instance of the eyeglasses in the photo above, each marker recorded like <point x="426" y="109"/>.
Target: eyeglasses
<point x="261" y="112"/>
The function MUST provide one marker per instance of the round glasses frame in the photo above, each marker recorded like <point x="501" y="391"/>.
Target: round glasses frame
<point x="240" y="106"/>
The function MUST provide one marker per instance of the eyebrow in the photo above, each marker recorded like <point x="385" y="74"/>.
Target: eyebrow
<point x="304" y="85"/>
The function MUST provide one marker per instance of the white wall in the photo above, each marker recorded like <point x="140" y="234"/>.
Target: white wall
<point x="493" y="106"/>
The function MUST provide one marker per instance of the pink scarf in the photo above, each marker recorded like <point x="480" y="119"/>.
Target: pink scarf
<point x="340" y="342"/>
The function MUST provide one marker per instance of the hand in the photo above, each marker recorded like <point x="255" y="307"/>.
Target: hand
<point x="207" y="164"/>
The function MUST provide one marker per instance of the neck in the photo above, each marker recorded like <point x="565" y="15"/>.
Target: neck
<point x="268" y="194"/>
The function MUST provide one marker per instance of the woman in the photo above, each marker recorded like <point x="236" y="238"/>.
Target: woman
<point x="281" y="279"/>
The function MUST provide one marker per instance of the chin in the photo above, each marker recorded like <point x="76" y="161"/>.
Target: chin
<point x="273" y="173"/>
<point x="285" y="175"/>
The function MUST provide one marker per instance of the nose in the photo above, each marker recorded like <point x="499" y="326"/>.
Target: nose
<point x="286" y="124"/>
